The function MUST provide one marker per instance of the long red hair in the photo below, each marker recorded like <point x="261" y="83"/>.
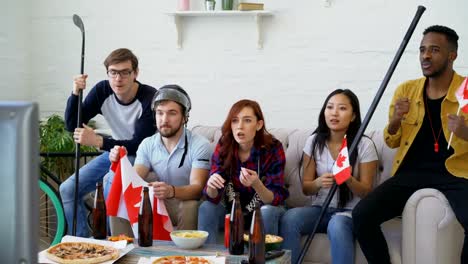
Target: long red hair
<point x="228" y="144"/>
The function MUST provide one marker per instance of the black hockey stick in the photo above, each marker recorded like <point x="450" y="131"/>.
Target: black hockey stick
<point x="79" y="23"/>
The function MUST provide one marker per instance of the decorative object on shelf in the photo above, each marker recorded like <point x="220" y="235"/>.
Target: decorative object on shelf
<point x="250" y="6"/>
<point x="227" y="4"/>
<point x="210" y="5"/>
<point x="184" y="5"/>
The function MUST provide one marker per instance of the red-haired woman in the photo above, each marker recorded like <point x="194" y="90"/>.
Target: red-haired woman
<point x="247" y="160"/>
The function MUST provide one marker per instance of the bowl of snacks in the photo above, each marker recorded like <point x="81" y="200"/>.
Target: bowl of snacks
<point x="271" y="241"/>
<point x="189" y="239"/>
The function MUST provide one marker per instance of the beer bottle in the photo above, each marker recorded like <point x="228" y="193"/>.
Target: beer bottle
<point x="257" y="238"/>
<point x="99" y="214"/>
<point x="236" y="231"/>
<point x="145" y="221"/>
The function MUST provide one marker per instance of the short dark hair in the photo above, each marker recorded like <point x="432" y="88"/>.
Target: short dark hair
<point x="121" y="55"/>
<point x="449" y="33"/>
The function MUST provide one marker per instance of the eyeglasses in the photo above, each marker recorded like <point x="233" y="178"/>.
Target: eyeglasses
<point x="122" y="73"/>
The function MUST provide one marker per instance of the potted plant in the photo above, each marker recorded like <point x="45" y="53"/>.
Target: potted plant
<point x="55" y="138"/>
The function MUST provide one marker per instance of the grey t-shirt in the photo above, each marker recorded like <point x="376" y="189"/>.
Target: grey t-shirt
<point x="324" y="163"/>
<point x="153" y="155"/>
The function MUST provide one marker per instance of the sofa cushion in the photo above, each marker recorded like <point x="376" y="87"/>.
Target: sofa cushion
<point x="293" y="169"/>
<point x="386" y="156"/>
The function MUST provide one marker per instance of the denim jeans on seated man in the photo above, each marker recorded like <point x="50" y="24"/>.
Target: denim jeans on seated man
<point x="337" y="223"/>
<point x="91" y="173"/>
<point x="210" y="217"/>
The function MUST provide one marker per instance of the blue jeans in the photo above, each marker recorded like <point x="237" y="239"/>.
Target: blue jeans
<point x="90" y="174"/>
<point x="271" y="218"/>
<point x="300" y="221"/>
<point x="210" y="216"/>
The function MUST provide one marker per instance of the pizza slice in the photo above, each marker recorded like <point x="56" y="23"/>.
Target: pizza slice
<point x="197" y="260"/>
<point x="181" y="260"/>
<point x="170" y="260"/>
<point x="121" y="237"/>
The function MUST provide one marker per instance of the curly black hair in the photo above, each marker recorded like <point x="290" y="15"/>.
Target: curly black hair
<point x="449" y="33"/>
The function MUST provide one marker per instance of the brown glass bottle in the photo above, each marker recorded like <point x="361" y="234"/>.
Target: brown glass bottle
<point x="145" y="221"/>
<point x="99" y="214"/>
<point x="236" y="232"/>
<point x="257" y="238"/>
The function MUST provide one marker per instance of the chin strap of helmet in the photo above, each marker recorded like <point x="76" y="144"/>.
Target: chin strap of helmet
<point x="185" y="150"/>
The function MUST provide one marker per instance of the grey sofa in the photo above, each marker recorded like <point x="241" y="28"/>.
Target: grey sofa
<point x="427" y="232"/>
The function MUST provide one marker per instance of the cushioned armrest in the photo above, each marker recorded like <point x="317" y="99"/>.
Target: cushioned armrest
<point x="431" y="233"/>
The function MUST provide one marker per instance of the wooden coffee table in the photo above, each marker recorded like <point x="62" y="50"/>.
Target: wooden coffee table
<point x="168" y="248"/>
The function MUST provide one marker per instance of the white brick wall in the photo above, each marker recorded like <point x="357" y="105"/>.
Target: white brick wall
<point x="309" y="50"/>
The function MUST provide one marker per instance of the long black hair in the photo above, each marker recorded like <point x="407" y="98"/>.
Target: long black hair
<point x="323" y="134"/>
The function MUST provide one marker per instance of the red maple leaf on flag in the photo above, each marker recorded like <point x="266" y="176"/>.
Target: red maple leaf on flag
<point x="339" y="161"/>
<point x="462" y="96"/>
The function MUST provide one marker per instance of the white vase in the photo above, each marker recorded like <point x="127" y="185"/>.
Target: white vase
<point x="210" y="5"/>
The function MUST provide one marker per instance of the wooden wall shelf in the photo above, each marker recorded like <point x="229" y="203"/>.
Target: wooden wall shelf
<point x="257" y="15"/>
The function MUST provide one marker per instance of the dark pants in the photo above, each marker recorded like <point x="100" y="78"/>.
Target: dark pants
<point x="388" y="201"/>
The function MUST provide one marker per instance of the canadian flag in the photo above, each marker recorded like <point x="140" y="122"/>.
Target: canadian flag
<point x="341" y="169"/>
<point x="462" y="96"/>
<point x="125" y="196"/>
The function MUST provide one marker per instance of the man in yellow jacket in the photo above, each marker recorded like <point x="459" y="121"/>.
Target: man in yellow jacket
<point x="421" y="118"/>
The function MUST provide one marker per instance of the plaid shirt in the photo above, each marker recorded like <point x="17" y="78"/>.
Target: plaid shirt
<point x="269" y="165"/>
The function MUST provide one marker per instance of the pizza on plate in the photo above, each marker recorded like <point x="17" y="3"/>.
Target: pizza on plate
<point x="181" y="260"/>
<point x="81" y="253"/>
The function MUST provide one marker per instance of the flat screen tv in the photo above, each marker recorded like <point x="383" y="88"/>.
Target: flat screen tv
<point x="19" y="175"/>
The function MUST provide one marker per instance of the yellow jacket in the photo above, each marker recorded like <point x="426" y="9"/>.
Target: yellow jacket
<point x="456" y="164"/>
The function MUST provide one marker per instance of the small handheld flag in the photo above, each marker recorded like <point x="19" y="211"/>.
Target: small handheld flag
<point x="462" y="97"/>
<point x="341" y="168"/>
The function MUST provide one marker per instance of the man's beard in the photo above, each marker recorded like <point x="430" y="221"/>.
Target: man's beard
<point x="172" y="132"/>
<point x="437" y="72"/>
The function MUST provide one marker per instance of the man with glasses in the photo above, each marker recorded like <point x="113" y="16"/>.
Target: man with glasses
<point x="125" y="104"/>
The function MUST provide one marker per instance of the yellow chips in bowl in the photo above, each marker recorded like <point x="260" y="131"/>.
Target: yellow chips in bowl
<point x="189" y="234"/>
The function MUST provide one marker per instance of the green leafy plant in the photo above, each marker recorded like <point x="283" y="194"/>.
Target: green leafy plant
<point x="55" y="138"/>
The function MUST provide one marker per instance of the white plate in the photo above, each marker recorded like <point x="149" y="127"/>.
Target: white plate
<point x="120" y="245"/>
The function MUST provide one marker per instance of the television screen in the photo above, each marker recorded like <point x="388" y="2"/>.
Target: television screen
<point x="19" y="175"/>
